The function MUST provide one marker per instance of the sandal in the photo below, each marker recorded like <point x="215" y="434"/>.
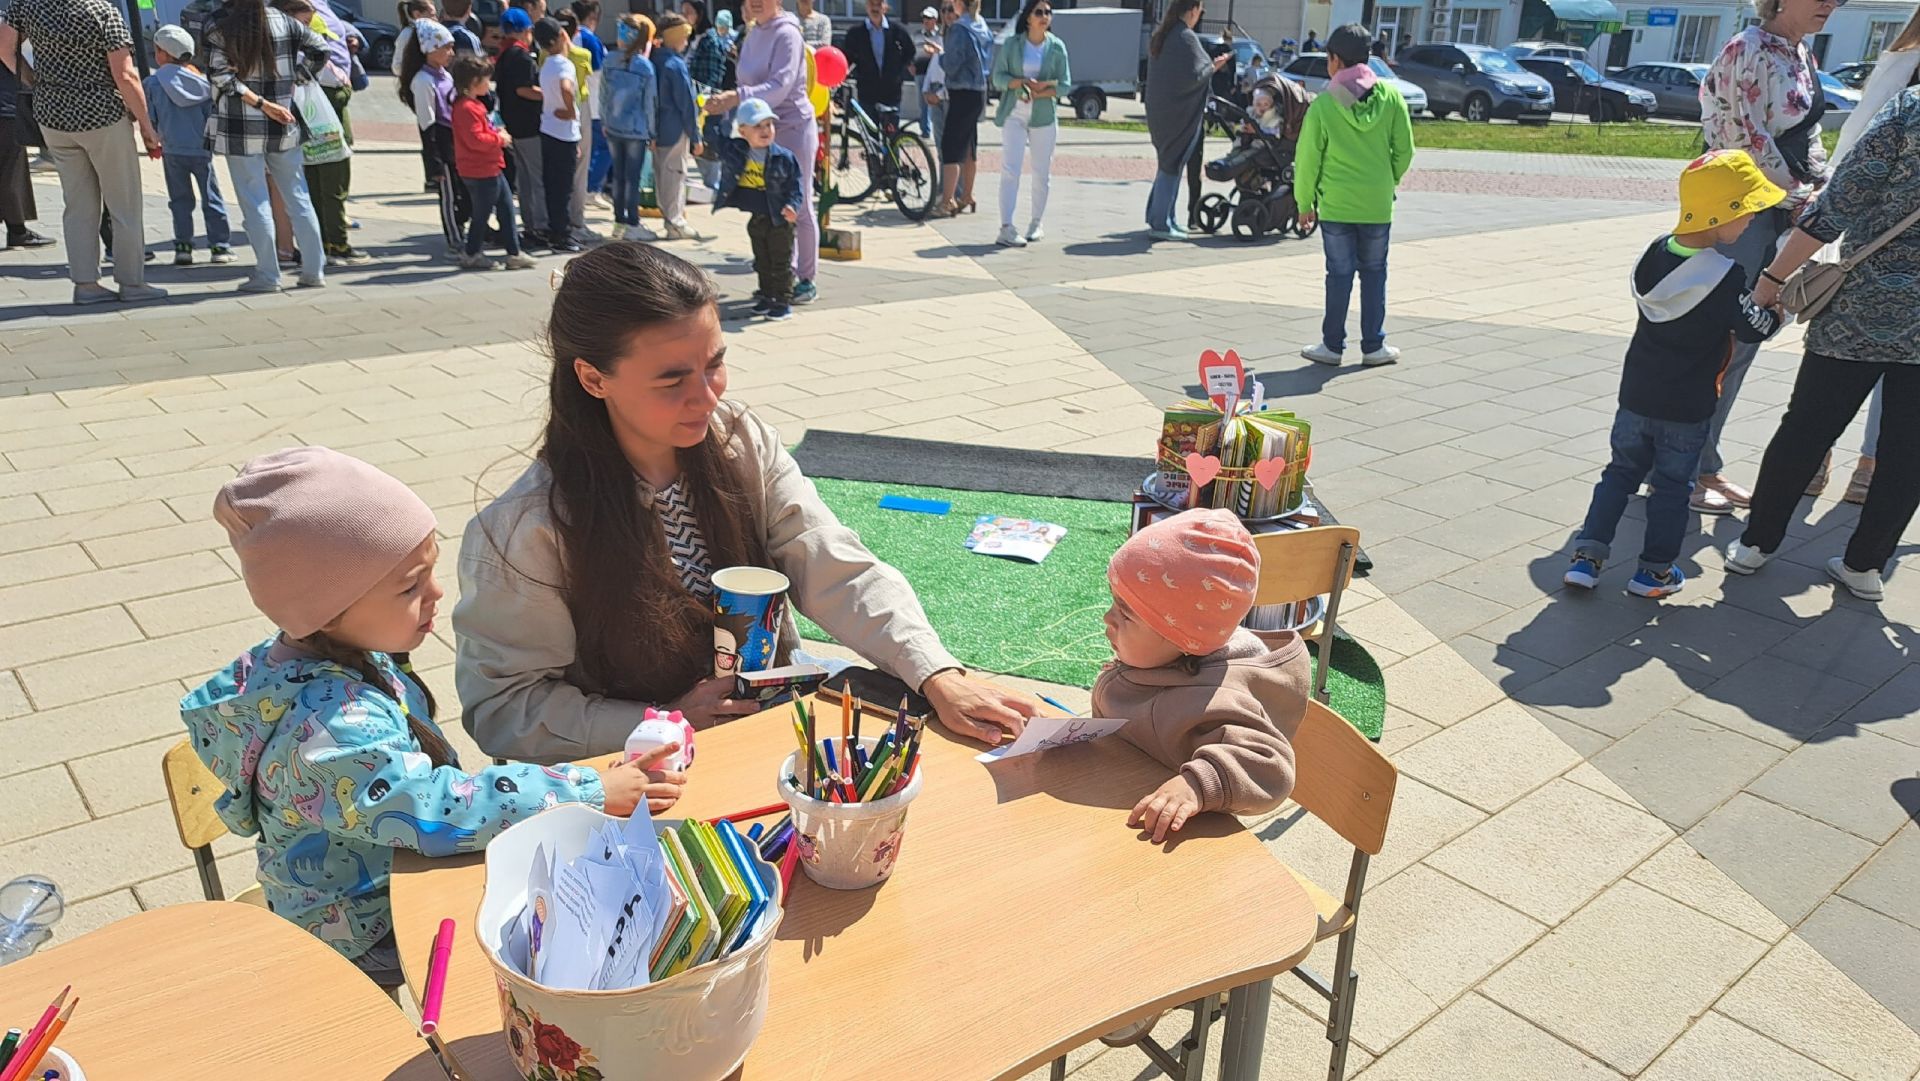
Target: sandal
<point x="1862" y="480"/>
<point x="944" y="209"/>
<point x="1819" y="482"/>
<point x="968" y="207"/>
<point x="1729" y="491"/>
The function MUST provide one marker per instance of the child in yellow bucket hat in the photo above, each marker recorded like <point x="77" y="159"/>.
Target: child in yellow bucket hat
<point x="1694" y="304"/>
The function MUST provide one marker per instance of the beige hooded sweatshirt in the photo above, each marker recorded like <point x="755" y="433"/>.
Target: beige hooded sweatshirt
<point x="1228" y="728"/>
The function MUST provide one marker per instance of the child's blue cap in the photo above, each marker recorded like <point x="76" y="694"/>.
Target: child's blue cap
<point x="752" y="111"/>
<point x="515" y="21"/>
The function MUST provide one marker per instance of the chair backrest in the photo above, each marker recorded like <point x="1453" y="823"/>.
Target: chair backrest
<point x="1300" y="563"/>
<point x="1342" y="779"/>
<point x="192" y="790"/>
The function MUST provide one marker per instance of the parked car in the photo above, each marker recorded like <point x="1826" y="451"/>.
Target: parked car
<point x="1854" y="76"/>
<point x="1310" y="71"/>
<point x="1520" y="50"/>
<point x="1675" y="86"/>
<point x="1577" y="88"/>
<point x="377" y="53"/>
<point x="1842" y="100"/>
<point x="1478" y="82"/>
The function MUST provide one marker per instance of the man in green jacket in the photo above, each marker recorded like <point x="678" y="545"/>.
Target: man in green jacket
<point x="1355" y="145"/>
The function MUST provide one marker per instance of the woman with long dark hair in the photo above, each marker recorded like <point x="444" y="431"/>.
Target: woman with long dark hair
<point x="1029" y="69"/>
<point x="586" y="589"/>
<point x="255" y="57"/>
<point x="1179" y="75"/>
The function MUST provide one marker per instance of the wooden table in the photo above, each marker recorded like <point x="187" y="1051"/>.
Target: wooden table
<point x="212" y="991"/>
<point x="1024" y="919"/>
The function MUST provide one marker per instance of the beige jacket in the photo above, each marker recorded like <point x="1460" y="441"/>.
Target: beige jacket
<point x="1228" y="729"/>
<point x="517" y="673"/>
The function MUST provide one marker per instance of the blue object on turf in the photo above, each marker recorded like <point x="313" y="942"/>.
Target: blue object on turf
<point x="917" y="506"/>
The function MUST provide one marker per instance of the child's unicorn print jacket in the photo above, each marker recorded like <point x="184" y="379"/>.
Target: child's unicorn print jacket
<point x="320" y="765"/>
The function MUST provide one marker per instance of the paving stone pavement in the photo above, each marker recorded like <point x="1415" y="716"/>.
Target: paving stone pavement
<point x="1667" y="841"/>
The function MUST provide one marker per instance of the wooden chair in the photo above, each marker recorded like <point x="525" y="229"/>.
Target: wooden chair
<point x="192" y="790"/>
<point x="1299" y="564"/>
<point x="1343" y="780"/>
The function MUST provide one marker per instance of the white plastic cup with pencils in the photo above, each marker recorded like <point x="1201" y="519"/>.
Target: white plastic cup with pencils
<point x="847" y="845"/>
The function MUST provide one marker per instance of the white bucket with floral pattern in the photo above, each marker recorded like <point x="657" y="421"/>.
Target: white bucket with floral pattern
<point x="696" y="1026"/>
<point x="847" y="846"/>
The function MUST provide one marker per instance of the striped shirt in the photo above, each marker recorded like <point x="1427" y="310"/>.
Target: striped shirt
<point x="685" y="546"/>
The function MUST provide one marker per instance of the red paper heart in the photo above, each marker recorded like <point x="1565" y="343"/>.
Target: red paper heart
<point x="1268" y="471"/>
<point x="1202" y="469"/>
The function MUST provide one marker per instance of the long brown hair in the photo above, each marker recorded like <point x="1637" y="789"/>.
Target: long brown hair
<point x="244" y="38"/>
<point x="1176" y="11"/>
<point x="639" y="633"/>
<point x="358" y="661"/>
<point x="1909" y="36"/>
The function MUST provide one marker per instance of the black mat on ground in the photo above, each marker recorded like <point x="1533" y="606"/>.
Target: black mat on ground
<point x="889" y="459"/>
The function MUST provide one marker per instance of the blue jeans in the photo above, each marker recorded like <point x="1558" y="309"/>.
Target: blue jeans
<point x="182" y="174"/>
<point x="491" y="195"/>
<point x="249" y="175"/>
<point x="628" y="160"/>
<point x="600" y="159"/>
<point x="1165" y="191"/>
<point x="934" y="119"/>
<point x="1351" y="249"/>
<point x="1667" y="454"/>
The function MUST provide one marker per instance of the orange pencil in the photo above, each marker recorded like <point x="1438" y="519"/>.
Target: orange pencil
<point x="40" y="1049"/>
<point x="32" y="1038"/>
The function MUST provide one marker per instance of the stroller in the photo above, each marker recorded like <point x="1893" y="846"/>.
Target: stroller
<point x="1260" y="167"/>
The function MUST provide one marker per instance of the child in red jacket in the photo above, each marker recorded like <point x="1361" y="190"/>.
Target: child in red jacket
<point x="478" y="158"/>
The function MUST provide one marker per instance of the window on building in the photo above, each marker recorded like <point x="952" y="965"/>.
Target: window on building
<point x="1880" y="34"/>
<point x="1696" y="40"/>
<point x="1475" y="26"/>
<point x="1395" y="21"/>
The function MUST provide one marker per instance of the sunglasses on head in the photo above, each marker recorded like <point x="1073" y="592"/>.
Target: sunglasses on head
<point x="1043" y="13"/>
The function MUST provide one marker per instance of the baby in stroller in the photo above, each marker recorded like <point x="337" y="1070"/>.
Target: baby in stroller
<point x="1260" y="166"/>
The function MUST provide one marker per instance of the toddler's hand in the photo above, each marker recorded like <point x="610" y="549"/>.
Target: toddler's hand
<point x="627" y="783"/>
<point x="1166" y="809"/>
<point x="787" y="213"/>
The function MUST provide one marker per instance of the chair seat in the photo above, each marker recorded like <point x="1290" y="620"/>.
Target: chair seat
<point x="1335" y="918"/>
<point x="252" y="895"/>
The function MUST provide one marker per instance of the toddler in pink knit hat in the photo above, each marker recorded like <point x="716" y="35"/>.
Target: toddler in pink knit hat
<point x="1200" y="693"/>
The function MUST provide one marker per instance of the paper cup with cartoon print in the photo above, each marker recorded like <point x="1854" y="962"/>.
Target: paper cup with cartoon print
<point x="749" y="604"/>
<point x="847" y="846"/>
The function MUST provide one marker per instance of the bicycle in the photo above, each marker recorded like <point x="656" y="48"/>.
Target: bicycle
<point x="875" y="155"/>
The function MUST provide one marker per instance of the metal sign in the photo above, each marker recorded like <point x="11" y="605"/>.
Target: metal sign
<point x="1663" y="16"/>
<point x="1637" y="17"/>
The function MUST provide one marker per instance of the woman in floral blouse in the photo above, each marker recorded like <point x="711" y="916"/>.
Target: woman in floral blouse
<point x="1762" y="96"/>
<point x="1869" y="333"/>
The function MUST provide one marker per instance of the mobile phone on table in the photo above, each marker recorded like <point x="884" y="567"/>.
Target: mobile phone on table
<point x="878" y="692"/>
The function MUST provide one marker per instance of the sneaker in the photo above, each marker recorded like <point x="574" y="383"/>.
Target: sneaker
<point x="348" y="257"/>
<point x="1010" y="238"/>
<point x="1320" y="354"/>
<point x="221" y="253"/>
<point x="1729" y="491"/>
<point x="778" y="312"/>
<point x="477" y="261"/>
<point x="93" y="293"/>
<point x="182" y="253"/>
<point x="134" y="293"/>
<point x="1380" y="357"/>
<point x="1035" y="233"/>
<point x="683" y="231"/>
<point x="1171" y="233"/>
<point x="1865" y="585"/>
<point x="520" y="261"/>
<point x="1743" y="558"/>
<point x="310" y="283"/>
<point x="290" y="262"/>
<point x="254" y="286"/>
<point x="1706" y="500"/>
<point x="599" y="202"/>
<point x="563" y="244"/>
<point x="587" y="237"/>
<point x="1645" y="583"/>
<point x="640" y="232"/>
<point x="805" y="292"/>
<point x="27" y="238"/>
<point x="762" y="304"/>
<point x="531" y="241"/>
<point x="1584" y="572"/>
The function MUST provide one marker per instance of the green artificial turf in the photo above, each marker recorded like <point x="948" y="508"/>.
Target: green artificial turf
<point x="1041" y="621"/>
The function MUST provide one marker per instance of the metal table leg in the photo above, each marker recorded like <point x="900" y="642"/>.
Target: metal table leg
<point x="1245" y="1036"/>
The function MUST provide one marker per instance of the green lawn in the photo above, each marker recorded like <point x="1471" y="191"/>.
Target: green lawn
<point x="1676" y="141"/>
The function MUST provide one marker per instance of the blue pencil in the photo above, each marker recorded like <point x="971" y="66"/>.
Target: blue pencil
<point x="1059" y="705"/>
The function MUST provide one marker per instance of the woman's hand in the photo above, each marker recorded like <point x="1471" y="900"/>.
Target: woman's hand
<point x="276" y="112"/>
<point x="1766" y="294"/>
<point x="978" y="709"/>
<point x="721" y="102"/>
<point x="709" y="703"/>
<point x="627" y="783"/>
<point x="1221" y="60"/>
<point x="1166" y="808"/>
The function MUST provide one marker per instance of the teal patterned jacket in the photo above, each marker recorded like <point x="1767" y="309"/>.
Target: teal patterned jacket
<point x="1876" y="314"/>
<point x="321" y="766"/>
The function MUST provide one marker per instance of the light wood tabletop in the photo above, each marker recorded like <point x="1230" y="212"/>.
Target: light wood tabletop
<point x="211" y="991"/>
<point x="1024" y="918"/>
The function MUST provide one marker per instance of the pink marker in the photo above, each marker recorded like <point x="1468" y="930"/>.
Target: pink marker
<point x="436" y="978"/>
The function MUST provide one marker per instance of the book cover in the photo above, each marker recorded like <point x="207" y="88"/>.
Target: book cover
<point x="1025" y="539"/>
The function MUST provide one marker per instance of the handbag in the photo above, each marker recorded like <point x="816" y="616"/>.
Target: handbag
<point x="322" y="138"/>
<point x="1813" y="286"/>
<point x="26" y="130"/>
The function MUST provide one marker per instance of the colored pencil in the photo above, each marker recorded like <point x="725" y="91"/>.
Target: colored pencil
<point x="787" y="864"/>
<point x="38" y="1052"/>
<point x="436" y="978"/>
<point x="33" y="1036"/>
<point x="754" y="831"/>
<point x="6" y="1048"/>
<point x="806" y="733"/>
<point x="846" y="729"/>
<point x="1059" y="705"/>
<point x="757" y="812"/>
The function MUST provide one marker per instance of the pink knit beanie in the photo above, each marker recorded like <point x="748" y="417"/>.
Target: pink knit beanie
<point x="1191" y="577"/>
<point x="315" y="531"/>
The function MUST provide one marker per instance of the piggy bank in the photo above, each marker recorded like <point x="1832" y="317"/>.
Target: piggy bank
<point x="659" y="729"/>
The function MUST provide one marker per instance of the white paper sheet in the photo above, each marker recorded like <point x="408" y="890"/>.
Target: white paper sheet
<point x="1046" y="733"/>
